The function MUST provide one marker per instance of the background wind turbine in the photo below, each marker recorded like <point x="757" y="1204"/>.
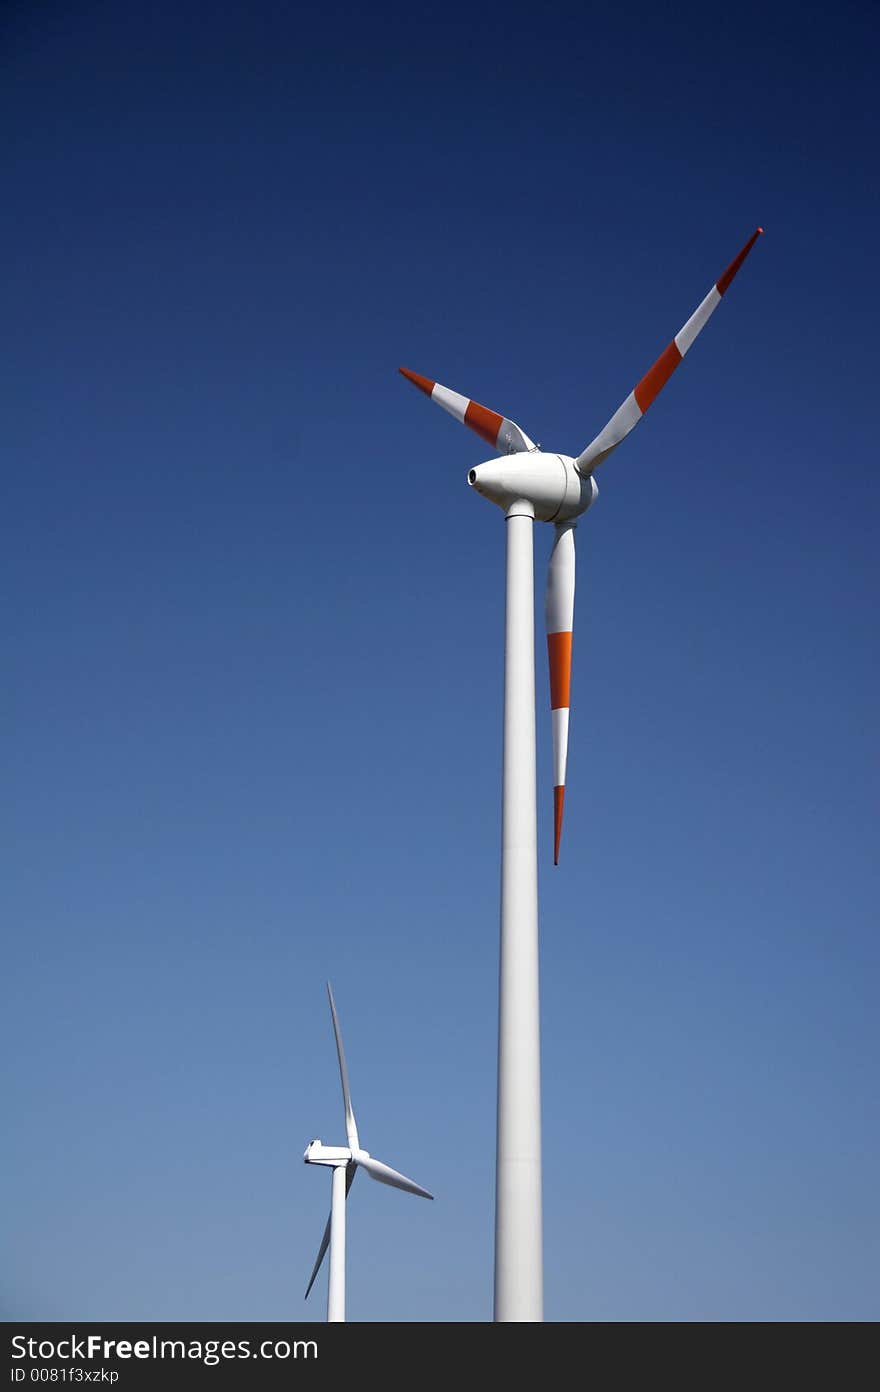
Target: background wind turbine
<point x="344" y="1162"/>
<point x="529" y="483"/>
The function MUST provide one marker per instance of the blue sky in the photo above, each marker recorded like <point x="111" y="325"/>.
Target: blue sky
<point x="254" y="652"/>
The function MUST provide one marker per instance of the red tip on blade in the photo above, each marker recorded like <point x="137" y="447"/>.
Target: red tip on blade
<point x="558" y="803"/>
<point x="423" y="383"/>
<point x="723" y="281"/>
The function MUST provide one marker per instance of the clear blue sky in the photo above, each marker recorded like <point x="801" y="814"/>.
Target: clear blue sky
<point x="253" y="651"/>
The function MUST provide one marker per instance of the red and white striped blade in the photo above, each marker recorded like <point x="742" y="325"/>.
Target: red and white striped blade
<point x="630" y="412"/>
<point x="559" y="614"/>
<point x="502" y="435"/>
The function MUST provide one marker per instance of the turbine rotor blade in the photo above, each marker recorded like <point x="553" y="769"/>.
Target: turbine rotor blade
<point x="322" y="1250"/>
<point x="502" y="435"/>
<point x="385" y="1175"/>
<point x="559" y="617"/>
<point x="350" y="1125"/>
<point x="630" y="412"/>
<point x="350" y="1169"/>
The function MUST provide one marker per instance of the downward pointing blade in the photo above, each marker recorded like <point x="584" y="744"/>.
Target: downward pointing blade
<point x="322" y="1252"/>
<point x="386" y="1175"/>
<point x="503" y="435"/>
<point x="630" y="412"/>
<point x="559" y="614"/>
<point x="350" y="1125"/>
<point x="350" y="1171"/>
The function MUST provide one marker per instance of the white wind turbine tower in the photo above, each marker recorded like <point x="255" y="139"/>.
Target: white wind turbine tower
<point x="530" y="484"/>
<point x="344" y="1162"/>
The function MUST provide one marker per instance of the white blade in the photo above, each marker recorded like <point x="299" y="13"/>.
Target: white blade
<point x="630" y="411"/>
<point x="350" y="1171"/>
<point x="386" y="1175"/>
<point x="350" y="1126"/>
<point x="322" y="1252"/>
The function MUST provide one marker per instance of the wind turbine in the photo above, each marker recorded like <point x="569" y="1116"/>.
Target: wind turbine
<point x="344" y="1161"/>
<point x="531" y="484"/>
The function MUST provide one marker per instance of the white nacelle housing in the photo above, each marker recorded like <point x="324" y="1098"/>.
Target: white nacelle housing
<point x="549" y="482"/>
<point x="316" y="1153"/>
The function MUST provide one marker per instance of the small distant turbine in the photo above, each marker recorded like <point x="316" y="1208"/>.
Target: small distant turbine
<point x="530" y="484"/>
<point x="344" y="1162"/>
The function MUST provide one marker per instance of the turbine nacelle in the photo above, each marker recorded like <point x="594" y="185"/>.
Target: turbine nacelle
<point x="316" y="1153"/>
<point x="550" y="483"/>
